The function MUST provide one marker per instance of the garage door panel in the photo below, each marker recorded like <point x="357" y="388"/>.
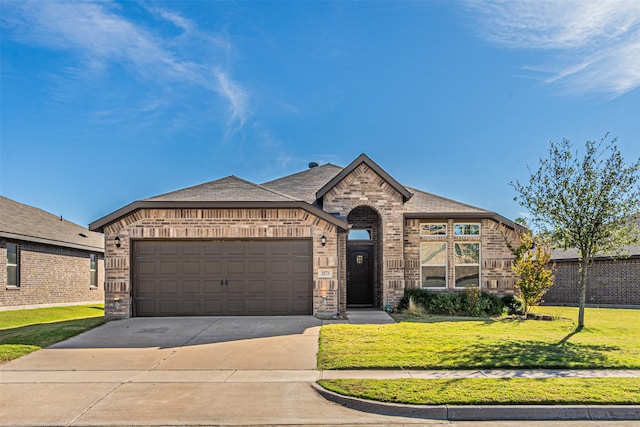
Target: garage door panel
<point x="169" y="267"/>
<point x="168" y="307"/>
<point x="235" y="267"/>
<point x="280" y="267"/>
<point x="213" y="286"/>
<point x="260" y="277"/>
<point x="191" y="286"/>
<point x="168" y="287"/>
<point x="212" y="267"/>
<point x="257" y="286"/>
<point x="191" y="267"/>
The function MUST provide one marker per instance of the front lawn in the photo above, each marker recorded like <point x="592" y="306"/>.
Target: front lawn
<point x="25" y="331"/>
<point x="491" y="391"/>
<point x="611" y="339"/>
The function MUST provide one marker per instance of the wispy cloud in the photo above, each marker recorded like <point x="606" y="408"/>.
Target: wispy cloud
<point x="99" y="35"/>
<point x="595" y="44"/>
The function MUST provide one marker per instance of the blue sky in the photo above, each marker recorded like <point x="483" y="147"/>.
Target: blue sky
<point x="104" y="103"/>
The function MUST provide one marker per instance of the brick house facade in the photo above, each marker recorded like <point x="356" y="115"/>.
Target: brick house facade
<point x="315" y="242"/>
<point x="47" y="261"/>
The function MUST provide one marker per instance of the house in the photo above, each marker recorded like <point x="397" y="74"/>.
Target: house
<point x="315" y="242"/>
<point x="609" y="281"/>
<point x="46" y="260"/>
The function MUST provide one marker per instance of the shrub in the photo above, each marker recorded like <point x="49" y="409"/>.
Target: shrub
<point x="472" y="302"/>
<point x="414" y="309"/>
<point x="513" y="304"/>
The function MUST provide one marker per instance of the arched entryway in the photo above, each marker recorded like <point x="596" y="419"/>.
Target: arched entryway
<point x="364" y="254"/>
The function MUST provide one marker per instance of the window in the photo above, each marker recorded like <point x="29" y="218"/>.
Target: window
<point x="93" y="270"/>
<point x="467" y="264"/>
<point x="433" y="264"/>
<point x="466" y="229"/>
<point x="355" y="234"/>
<point x="13" y="265"/>
<point x="428" y="229"/>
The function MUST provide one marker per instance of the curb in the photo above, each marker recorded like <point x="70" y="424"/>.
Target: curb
<point x="487" y="412"/>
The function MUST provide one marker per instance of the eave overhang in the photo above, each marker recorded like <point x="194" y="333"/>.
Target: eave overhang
<point x="99" y="224"/>
<point x="52" y="242"/>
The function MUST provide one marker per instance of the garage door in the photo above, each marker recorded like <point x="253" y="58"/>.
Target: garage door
<point x="222" y="278"/>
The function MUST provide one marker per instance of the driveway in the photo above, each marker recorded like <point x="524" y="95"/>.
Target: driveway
<point x="169" y="371"/>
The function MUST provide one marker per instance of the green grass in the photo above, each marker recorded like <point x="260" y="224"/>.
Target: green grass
<point x="25" y="331"/>
<point x="611" y="339"/>
<point x="485" y="391"/>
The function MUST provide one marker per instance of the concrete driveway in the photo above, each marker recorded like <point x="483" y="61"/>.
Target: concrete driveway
<point x="170" y="371"/>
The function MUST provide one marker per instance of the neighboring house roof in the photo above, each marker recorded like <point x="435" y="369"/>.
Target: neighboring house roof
<point x="304" y="185"/>
<point x="363" y="158"/>
<point x="571" y="254"/>
<point x="27" y="223"/>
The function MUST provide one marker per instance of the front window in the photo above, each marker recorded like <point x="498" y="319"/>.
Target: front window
<point x="466" y="229"/>
<point x="433" y="264"/>
<point x="13" y="265"/>
<point x="93" y="270"/>
<point x="428" y="229"/>
<point x="467" y="264"/>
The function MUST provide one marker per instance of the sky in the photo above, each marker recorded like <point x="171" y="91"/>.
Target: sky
<point x="105" y="103"/>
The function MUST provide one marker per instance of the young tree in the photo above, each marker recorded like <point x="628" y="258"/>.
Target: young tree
<point x="531" y="264"/>
<point x="589" y="203"/>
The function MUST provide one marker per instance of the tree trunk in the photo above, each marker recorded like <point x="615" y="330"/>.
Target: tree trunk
<point x="584" y="264"/>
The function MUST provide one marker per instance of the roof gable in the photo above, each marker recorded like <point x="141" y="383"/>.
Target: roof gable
<point x="363" y="158"/>
<point x="27" y="223"/>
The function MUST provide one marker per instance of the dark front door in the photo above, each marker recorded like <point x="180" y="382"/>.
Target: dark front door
<point x="360" y="275"/>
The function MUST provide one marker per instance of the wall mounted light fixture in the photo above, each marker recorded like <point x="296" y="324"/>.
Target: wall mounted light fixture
<point x="323" y="240"/>
<point x="117" y="241"/>
<point x="324" y="300"/>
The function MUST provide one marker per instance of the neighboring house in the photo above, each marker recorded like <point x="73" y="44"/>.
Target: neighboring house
<point x="46" y="260"/>
<point x="315" y="242"/>
<point x="609" y="281"/>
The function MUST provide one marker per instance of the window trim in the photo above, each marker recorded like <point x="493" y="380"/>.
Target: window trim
<point x="16" y="265"/>
<point x="434" y="236"/>
<point x="457" y="224"/>
<point x="445" y="265"/>
<point x="478" y="264"/>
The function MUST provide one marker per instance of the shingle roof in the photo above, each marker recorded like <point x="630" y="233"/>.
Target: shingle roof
<point x="231" y="188"/>
<point x="304" y="185"/>
<point x="571" y="254"/>
<point x="427" y="202"/>
<point x="27" y="223"/>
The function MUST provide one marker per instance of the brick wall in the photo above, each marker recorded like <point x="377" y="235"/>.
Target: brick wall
<point x="615" y="282"/>
<point x="50" y="275"/>
<point x="219" y="224"/>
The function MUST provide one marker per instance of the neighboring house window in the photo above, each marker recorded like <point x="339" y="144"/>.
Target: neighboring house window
<point x="433" y="264"/>
<point x="13" y="265"/>
<point x="467" y="264"/>
<point x="428" y="229"/>
<point x="93" y="270"/>
<point x="466" y="229"/>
